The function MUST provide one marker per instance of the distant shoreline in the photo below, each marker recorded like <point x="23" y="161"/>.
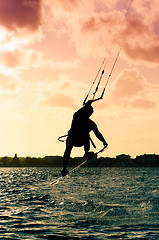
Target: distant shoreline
<point x="122" y="160"/>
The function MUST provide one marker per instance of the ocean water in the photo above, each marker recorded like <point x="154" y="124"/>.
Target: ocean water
<point x="94" y="203"/>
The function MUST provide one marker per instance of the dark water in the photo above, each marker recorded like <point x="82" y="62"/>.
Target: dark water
<point x="94" y="203"/>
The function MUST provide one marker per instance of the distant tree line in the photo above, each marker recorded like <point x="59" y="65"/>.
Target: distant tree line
<point x="123" y="160"/>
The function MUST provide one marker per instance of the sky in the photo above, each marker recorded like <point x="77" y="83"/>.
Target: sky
<point x="50" y="53"/>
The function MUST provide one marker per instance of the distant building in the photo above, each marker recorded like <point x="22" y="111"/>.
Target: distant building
<point x="15" y="161"/>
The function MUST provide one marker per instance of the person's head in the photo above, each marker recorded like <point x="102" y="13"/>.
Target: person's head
<point x="88" y="110"/>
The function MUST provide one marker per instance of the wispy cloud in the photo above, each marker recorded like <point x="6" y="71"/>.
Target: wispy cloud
<point x="7" y="82"/>
<point x="60" y="100"/>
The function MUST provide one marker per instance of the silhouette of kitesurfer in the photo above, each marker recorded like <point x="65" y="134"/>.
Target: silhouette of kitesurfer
<point x="78" y="135"/>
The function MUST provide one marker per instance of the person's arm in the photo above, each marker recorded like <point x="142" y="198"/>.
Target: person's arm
<point x="98" y="134"/>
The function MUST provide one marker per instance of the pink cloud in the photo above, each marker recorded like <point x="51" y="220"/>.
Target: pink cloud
<point x="139" y="53"/>
<point x="137" y="35"/>
<point x="131" y="90"/>
<point x="156" y="25"/>
<point x="143" y="103"/>
<point x="135" y="25"/>
<point x="66" y="4"/>
<point x="20" y="14"/>
<point x="129" y="84"/>
<point x="97" y="22"/>
<point x="92" y="26"/>
<point x="139" y="42"/>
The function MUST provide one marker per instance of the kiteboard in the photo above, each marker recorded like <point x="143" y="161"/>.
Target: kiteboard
<point x="91" y="158"/>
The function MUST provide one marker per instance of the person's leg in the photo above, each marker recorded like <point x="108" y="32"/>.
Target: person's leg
<point x="89" y="155"/>
<point x="87" y="147"/>
<point x="66" y="159"/>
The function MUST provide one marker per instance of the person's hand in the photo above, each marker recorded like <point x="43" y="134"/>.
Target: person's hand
<point x="105" y="144"/>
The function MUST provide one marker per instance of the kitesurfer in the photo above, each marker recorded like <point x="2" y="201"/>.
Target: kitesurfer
<point x="78" y="135"/>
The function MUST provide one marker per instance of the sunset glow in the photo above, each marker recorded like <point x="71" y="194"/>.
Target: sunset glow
<point x="50" y="52"/>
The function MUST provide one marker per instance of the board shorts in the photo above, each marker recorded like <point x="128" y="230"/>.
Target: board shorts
<point x="77" y="139"/>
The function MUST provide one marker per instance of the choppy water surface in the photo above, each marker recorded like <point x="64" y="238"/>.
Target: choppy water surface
<point x="94" y="203"/>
